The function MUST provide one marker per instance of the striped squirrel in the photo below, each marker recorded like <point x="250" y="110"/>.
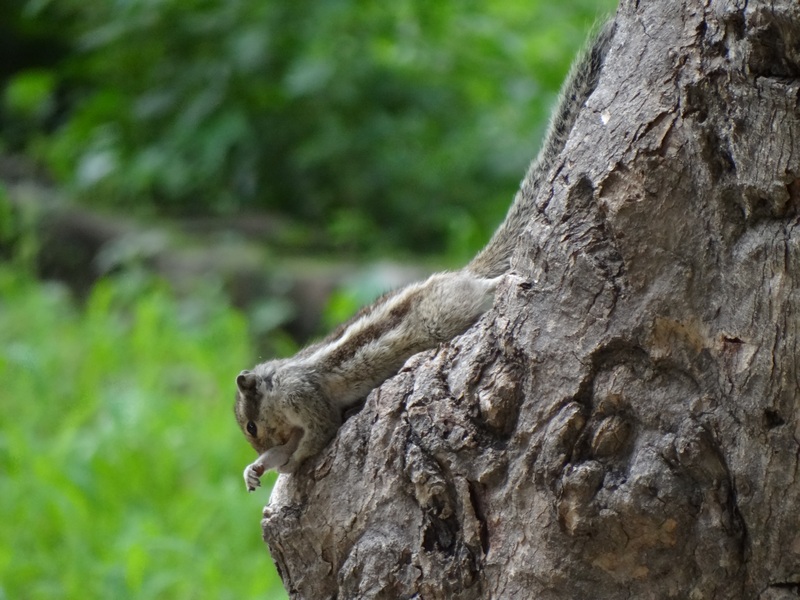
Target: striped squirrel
<point x="289" y="409"/>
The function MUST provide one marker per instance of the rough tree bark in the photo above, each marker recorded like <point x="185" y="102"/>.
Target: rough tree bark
<point x="627" y="427"/>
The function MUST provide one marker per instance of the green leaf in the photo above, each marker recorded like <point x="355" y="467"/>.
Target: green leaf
<point x="30" y="93"/>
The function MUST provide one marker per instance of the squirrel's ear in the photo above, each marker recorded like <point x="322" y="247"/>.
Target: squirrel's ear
<point x="247" y="381"/>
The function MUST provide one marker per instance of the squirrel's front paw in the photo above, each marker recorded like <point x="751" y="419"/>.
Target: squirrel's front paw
<point x="252" y="476"/>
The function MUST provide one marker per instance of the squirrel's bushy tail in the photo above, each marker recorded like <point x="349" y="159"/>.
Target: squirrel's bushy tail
<point x="581" y="81"/>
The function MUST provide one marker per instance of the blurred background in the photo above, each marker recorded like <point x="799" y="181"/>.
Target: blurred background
<point x="188" y="187"/>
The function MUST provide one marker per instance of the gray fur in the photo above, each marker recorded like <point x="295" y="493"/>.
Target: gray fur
<point x="494" y="259"/>
<point x="307" y="394"/>
<point x="293" y="407"/>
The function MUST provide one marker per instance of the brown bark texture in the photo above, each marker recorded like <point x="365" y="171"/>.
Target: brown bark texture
<point x="627" y="424"/>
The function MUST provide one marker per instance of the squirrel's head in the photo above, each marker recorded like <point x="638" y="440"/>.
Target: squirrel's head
<point x="255" y="394"/>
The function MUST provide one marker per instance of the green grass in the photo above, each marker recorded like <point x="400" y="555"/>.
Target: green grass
<point x="120" y="460"/>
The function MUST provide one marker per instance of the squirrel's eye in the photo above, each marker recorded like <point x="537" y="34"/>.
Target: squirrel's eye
<point x="251" y="428"/>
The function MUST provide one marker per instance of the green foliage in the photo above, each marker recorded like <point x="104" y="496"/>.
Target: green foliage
<point x="119" y="454"/>
<point x="345" y="301"/>
<point x="7" y="220"/>
<point x="381" y="123"/>
<point x="18" y="242"/>
<point x="29" y="94"/>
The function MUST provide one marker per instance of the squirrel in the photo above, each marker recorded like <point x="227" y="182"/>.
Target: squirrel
<point x="289" y="409"/>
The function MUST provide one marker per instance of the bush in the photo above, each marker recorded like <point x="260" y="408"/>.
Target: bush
<point x="120" y="455"/>
<point x="403" y="124"/>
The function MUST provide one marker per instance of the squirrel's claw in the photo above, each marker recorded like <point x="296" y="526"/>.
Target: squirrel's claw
<point x="252" y="476"/>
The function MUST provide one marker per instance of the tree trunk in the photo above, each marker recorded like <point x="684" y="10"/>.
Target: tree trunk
<point x="627" y="425"/>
